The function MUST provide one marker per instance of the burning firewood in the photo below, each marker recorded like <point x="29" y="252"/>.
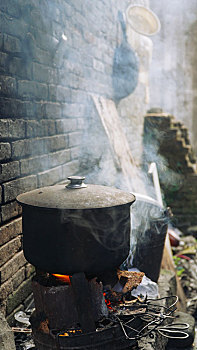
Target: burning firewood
<point x="129" y="279"/>
<point x="44" y="327"/>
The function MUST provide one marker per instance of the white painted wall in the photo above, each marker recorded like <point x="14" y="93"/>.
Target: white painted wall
<point x="133" y="108"/>
<point x="173" y="72"/>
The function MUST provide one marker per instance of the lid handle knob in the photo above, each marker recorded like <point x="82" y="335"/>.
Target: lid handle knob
<point x="76" y="182"/>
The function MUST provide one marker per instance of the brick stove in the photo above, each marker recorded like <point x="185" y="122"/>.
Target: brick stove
<point x="83" y="232"/>
<point x="77" y="237"/>
<point x="71" y="313"/>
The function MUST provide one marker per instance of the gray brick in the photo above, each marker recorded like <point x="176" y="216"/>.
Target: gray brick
<point x="73" y="110"/>
<point x="79" y="96"/>
<point x="11" y="107"/>
<point x="18" y="278"/>
<point x="7" y="85"/>
<point x="68" y="10"/>
<point x="29" y="270"/>
<point x="75" y="152"/>
<point x="32" y="89"/>
<point x="12" y="266"/>
<point x="17" y="128"/>
<point x="54" y="12"/>
<point x="41" y="128"/>
<point x="10" y="7"/>
<point x="89" y="37"/>
<point x="11" y="44"/>
<point x="3" y="128"/>
<point x="13" y="27"/>
<point x="48" y="127"/>
<point x="42" y="56"/>
<point x="74" y="54"/>
<point x="38" y="18"/>
<point x="15" y="187"/>
<point x="75" y="139"/>
<point x="6" y="289"/>
<point x="34" y="165"/>
<point x="3" y="61"/>
<point x="44" y="74"/>
<point x="66" y="125"/>
<point x="1" y="194"/>
<point x="10" y="210"/>
<point x="28" y="147"/>
<point x="20" y="67"/>
<point x="9" y="249"/>
<point x="50" y="177"/>
<point x="10" y="230"/>
<point x="12" y="128"/>
<point x="71" y="67"/>
<point x="1" y="41"/>
<point x="81" y="123"/>
<point x="70" y="168"/>
<point x="9" y="171"/>
<point x="39" y="110"/>
<point x="26" y="109"/>
<point x="53" y="110"/>
<point x="3" y="312"/>
<point x="77" y="5"/>
<point x="52" y="92"/>
<point x="71" y="80"/>
<point x="55" y="143"/>
<point x="59" y="93"/>
<point x="5" y="150"/>
<point x="45" y="41"/>
<point x="58" y="158"/>
<point x="20" y="149"/>
<point x="19" y="295"/>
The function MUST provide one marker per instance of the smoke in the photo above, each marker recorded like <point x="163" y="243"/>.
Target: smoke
<point x="70" y="56"/>
<point x="109" y="226"/>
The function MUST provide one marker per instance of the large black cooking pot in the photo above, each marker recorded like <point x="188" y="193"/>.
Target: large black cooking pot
<point x="75" y="228"/>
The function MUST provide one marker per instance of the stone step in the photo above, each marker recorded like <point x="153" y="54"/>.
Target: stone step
<point x="191" y="164"/>
<point x="185" y="134"/>
<point x="176" y="124"/>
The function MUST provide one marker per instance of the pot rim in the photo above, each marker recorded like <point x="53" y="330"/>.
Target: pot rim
<point x="58" y="197"/>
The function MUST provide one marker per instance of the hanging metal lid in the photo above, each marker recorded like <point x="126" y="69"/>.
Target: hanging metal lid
<point x="143" y="20"/>
<point x="76" y="195"/>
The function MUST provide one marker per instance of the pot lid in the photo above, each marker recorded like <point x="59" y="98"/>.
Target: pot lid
<point x="76" y="195"/>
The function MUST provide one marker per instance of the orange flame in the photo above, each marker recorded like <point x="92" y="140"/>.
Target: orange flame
<point x="71" y="331"/>
<point x="63" y="278"/>
<point x="108" y="302"/>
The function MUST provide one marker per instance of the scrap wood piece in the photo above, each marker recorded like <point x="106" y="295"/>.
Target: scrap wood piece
<point x="44" y="327"/>
<point x="130" y="312"/>
<point x="168" y="264"/>
<point x="113" y="296"/>
<point x="113" y="128"/>
<point x="21" y="330"/>
<point x="129" y="279"/>
<point x="136" y="302"/>
<point x="120" y="148"/>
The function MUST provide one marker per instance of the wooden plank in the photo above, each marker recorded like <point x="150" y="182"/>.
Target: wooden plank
<point x="120" y="148"/>
<point x="168" y="264"/>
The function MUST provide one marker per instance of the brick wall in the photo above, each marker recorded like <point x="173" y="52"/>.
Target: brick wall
<point x="166" y="142"/>
<point x="53" y="54"/>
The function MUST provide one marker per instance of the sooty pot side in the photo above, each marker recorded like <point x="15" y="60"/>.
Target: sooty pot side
<point x="69" y="230"/>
